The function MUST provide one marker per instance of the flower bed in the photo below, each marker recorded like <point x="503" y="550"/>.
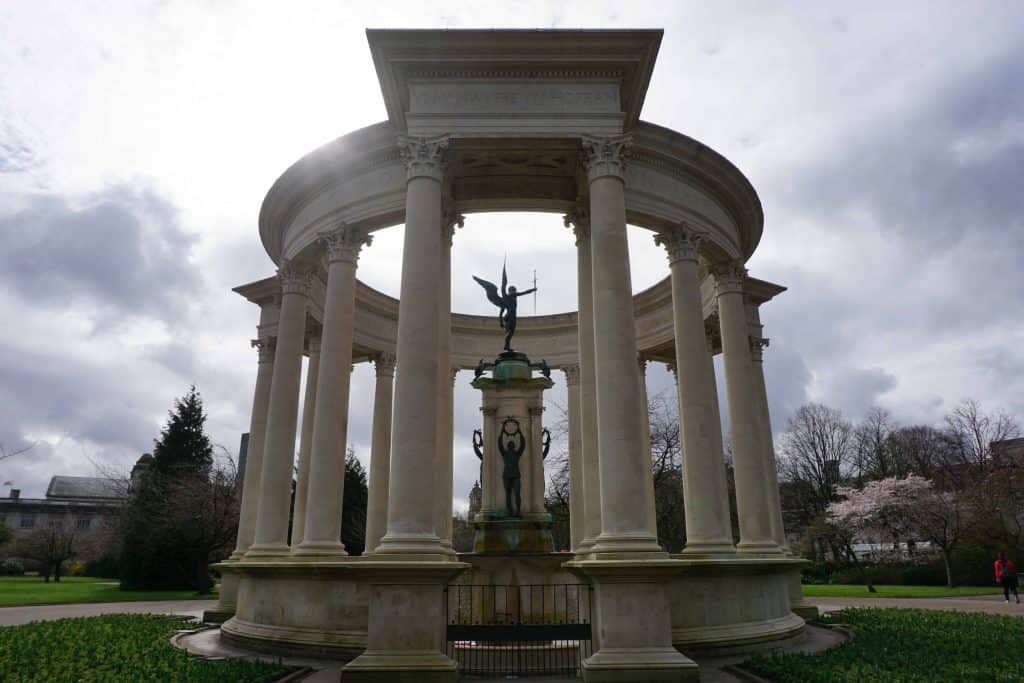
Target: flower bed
<point x="904" y="645"/>
<point x="128" y="648"/>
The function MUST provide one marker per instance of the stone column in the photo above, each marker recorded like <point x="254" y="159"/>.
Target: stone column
<point x="254" y="455"/>
<point x="271" y="537"/>
<point x="380" y="452"/>
<point x="450" y="469"/>
<point x="624" y="527"/>
<point x="752" y="503"/>
<point x="576" y="521"/>
<point x="411" y="500"/>
<point x="536" y="504"/>
<point x="491" y="499"/>
<point x="322" y="535"/>
<point x="443" y="467"/>
<point x="757" y="347"/>
<point x="591" y="480"/>
<point x="706" y="499"/>
<point x="305" y="442"/>
<point x="645" y="423"/>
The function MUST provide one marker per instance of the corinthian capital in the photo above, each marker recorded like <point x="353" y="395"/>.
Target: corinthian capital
<point x="450" y="220"/>
<point x="606" y="156"/>
<point x="384" y="364"/>
<point x="344" y="243"/>
<point x="578" y="220"/>
<point x="265" y="348"/>
<point x="682" y="242"/>
<point x="572" y="374"/>
<point x="757" y="347"/>
<point x="424" y="156"/>
<point x="294" y="279"/>
<point x="729" y="276"/>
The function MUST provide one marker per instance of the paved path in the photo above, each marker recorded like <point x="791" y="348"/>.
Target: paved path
<point x="12" y="616"/>
<point x="989" y="604"/>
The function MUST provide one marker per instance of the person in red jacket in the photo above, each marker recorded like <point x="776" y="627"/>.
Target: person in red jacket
<point x="1006" y="576"/>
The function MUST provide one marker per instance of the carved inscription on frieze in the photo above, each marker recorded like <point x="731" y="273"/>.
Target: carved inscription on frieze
<point x="517" y="97"/>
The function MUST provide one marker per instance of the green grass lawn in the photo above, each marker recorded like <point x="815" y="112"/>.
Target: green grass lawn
<point x="25" y="590"/>
<point x="127" y="648"/>
<point x="847" y="591"/>
<point x="909" y="646"/>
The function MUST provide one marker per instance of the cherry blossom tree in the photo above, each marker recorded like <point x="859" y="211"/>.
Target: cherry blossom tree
<point x="909" y="508"/>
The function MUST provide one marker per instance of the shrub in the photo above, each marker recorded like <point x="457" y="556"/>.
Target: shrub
<point x="11" y="567"/>
<point x="103" y="568"/>
<point x="75" y="569"/>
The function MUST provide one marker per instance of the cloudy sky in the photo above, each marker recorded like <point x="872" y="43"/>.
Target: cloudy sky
<point x="137" y="140"/>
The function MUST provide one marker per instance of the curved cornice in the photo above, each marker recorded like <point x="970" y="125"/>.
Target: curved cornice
<point x="655" y="147"/>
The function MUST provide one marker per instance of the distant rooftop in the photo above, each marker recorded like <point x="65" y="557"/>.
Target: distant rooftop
<point x="83" y="488"/>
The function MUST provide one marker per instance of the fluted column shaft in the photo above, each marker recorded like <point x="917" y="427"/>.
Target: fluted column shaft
<point x="271" y="537"/>
<point x="576" y="522"/>
<point x="254" y="454"/>
<point x="768" y="442"/>
<point x="706" y="499"/>
<point x="322" y="535"/>
<point x="412" y="498"/>
<point x="645" y="423"/>
<point x="380" y="452"/>
<point x="443" y="468"/>
<point x="752" y="503"/>
<point x="624" y="527"/>
<point x="590" y="509"/>
<point x="305" y="443"/>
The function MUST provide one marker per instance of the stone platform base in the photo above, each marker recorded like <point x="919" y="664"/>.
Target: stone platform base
<point x="733" y="605"/>
<point x="299" y="609"/>
<point x="217" y="616"/>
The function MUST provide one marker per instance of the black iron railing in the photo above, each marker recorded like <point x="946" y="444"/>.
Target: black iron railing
<point x="540" y="629"/>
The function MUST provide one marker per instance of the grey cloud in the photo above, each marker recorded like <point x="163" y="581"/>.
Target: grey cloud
<point x="123" y="249"/>
<point x="951" y="165"/>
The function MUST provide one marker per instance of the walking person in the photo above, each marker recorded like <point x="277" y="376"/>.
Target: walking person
<point x="1006" y="576"/>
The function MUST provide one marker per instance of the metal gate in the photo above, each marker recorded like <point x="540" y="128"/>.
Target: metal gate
<point x="530" y="630"/>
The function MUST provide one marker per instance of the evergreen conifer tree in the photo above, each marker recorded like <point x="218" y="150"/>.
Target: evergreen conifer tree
<point x="183" y="447"/>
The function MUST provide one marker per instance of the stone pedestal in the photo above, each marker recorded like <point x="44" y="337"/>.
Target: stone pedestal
<point x="633" y="620"/>
<point x="512" y="408"/>
<point x="406" y="623"/>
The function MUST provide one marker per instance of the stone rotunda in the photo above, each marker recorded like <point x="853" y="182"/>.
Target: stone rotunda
<point x="543" y="121"/>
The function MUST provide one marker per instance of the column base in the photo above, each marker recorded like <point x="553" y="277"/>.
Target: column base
<point x="412" y="547"/>
<point x="758" y="548"/>
<point x="426" y="666"/>
<point x="260" y="551"/>
<point x="709" y="549"/>
<point x="310" y="550"/>
<point x="624" y="546"/>
<point x="655" y="664"/>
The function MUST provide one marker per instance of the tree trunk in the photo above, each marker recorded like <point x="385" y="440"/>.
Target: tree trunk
<point x="947" y="558"/>
<point x="56" y="572"/>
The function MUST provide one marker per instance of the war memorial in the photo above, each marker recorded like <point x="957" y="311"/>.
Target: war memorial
<point x="523" y="121"/>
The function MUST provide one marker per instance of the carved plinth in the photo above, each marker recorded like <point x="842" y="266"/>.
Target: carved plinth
<point x="512" y="446"/>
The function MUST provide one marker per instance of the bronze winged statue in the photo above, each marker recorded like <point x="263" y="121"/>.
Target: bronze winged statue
<point x="506" y="303"/>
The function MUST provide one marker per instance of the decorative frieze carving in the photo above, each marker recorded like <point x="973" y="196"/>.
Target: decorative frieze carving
<point x="681" y="242"/>
<point x="344" y="243"/>
<point x="265" y="348"/>
<point x="295" y="279"/>
<point x="424" y="156"/>
<point x="572" y="375"/>
<point x="606" y="156"/>
<point x="384" y="364"/>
